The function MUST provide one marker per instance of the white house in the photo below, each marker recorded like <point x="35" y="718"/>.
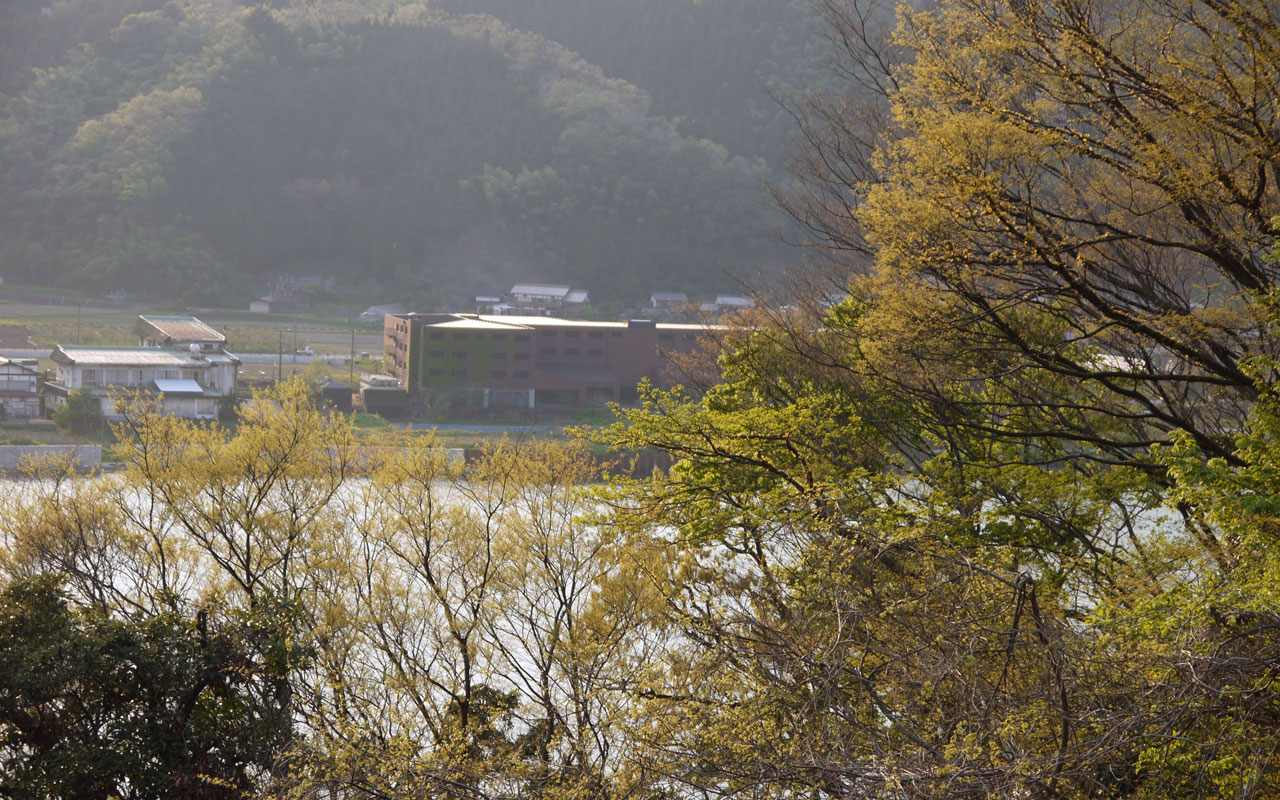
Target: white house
<point x="668" y="299"/>
<point x="19" y="388"/>
<point x="539" y="294"/>
<point x="190" y="382"/>
<point x="379" y="313"/>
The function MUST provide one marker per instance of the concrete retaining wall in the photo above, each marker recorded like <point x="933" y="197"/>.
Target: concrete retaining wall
<point x="18" y="456"/>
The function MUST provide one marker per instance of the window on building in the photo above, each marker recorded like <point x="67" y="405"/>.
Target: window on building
<point x="90" y="377"/>
<point x="459" y="353"/>
<point x="616" y="334"/>
<point x="522" y="337"/>
<point x="459" y="373"/>
<point x="595" y="351"/>
<point x="525" y="356"/>
<point x="546" y="334"/>
<point x="521" y="373"/>
<point x="498" y="373"/>
<point x="573" y="334"/>
<point x="547" y="351"/>
<point x="596" y="334"/>
<point x="500" y="355"/>
<point x="435" y="334"/>
<point x="571" y="351"/>
<point x="666" y="337"/>
<point x="435" y="354"/>
<point x="435" y="371"/>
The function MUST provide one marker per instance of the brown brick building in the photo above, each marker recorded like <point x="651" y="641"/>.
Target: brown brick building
<point x="530" y="362"/>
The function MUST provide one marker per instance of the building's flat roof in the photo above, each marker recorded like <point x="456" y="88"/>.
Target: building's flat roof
<point x="534" y="321"/>
<point x="183" y="329"/>
<point x="494" y="322"/>
<point x="88" y="355"/>
<point x="478" y="324"/>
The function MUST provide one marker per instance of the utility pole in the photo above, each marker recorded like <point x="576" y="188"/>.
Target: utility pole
<point x="280" y="360"/>
<point x="351" y="373"/>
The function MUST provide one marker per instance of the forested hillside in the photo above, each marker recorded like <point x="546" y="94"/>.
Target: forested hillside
<point x="721" y="68"/>
<point x="191" y="151"/>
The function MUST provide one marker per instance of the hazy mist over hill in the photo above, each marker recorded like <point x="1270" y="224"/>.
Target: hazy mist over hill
<point x="417" y="150"/>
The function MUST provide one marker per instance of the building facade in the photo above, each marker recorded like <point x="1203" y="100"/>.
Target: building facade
<point x="19" y="388"/>
<point x="179" y="360"/>
<point x="531" y="362"/>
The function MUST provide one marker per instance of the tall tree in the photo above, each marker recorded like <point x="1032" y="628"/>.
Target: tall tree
<point x="94" y="705"/>
<point x="1066" y="192"/>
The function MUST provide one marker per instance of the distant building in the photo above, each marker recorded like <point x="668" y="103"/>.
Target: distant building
<point x="155" y="331"/>
<point x="541" y="299"/>
<point x="727" y="302"/>
<point x="337" y="393"/>
<point x="733" y="301"/>
<point x="668" y="299"/>
<point x="180" y="360"/>
<point x="19" y="388"/>
<point x="264" y="305"/>
<point x="488" y="303"/>
<point x="539" y="294"/>
<point x="302" y="287"/>
<point x="377" y="313"/>
<point x="530" y="361"/>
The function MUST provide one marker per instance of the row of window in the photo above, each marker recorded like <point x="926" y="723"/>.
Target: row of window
<point x="462" y="335"/>
<point x="549" y="334"/>
<point x="497" y="355"/>
<point x="462" y="373"/>
<point x="132" y="377"/>
<point x="571" y="351"/>
<point x="501" y="355"/>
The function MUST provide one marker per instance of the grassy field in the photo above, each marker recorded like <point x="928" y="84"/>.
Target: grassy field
<point x="74" y="324"/>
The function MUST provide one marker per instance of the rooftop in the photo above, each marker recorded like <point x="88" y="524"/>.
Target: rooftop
<point x="181" y="329"/>
<point x="548" y="289"/>
<point x="94" y="356"/>
<point x="496" y="322"/>
<point x="478" y="324"/>
<point x="9" y="362"/>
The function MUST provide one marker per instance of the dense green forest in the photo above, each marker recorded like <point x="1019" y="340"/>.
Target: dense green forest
<point x="723" y="69"/>
<point x="191" y="151"/>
